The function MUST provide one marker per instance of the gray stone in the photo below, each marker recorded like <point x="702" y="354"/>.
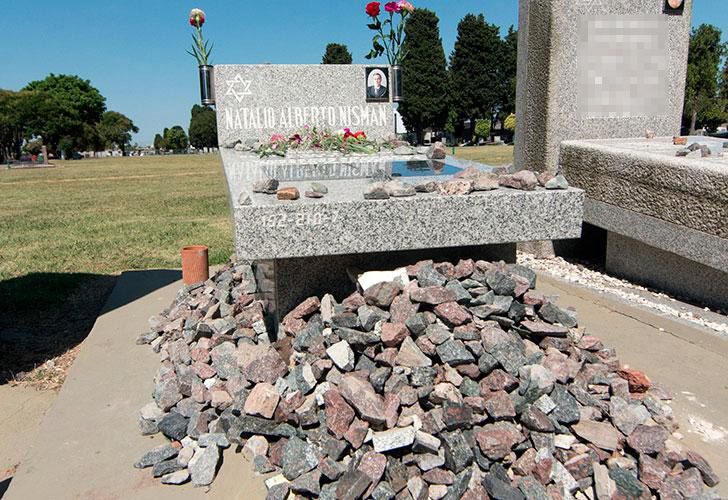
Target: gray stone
<point x="376" y="192"/>
<point x="552" y="313"/>
<point x="224" y="360"/>
<point x="627" y="482"/>
<point x="307" y="484"/>
<point x="358" y="338"/>
<point x="383" y="491"/>
<point x="404" y="151"/>
<point x="219" y="440"/>
<point x="278" y="491"/>
<point x="203" y="466"/>
<point x="460" y="293"/>
<point x="458" y="454"/>
<point x="298" y="458"/>
<point x="500" y="489"/>
<point x="626" y="417"/>
<point x="167" y="391"/>
<point x="157" y="455"/>
<point x="398" y="189"/>
<point x="509" y="354"/>
<point x="500" y="283"/>
<point x="487" y="363"/>
<point x="567" y="409"/>
<point x="268" y="186"/>
<point x="428" y="276"/>
<point x="318" y="187"/>
<point x="454" y="352"/>
<point x="174" y="426"/>
<point x="176" y="478"/>
<point x="393" y="439"/>
<point x="167" y="467"/>
<point x="532" y="489"/>
<point x="426" y="443"/>
<point x="342" y="355"/>
<point x="370" y="316"/>
<point x="558" y="182"/>
<point x="417" y="324"/>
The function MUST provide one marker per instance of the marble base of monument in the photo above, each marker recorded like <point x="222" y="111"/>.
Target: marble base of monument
<point x="665" y="215"/>
<point x="312" y="242"/>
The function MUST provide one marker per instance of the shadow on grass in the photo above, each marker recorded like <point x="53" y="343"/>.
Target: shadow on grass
<point x="43" y="315"/>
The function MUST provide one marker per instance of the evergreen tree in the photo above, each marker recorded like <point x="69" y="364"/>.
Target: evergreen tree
<point x="175" y="138"/>
<point x="336" y="53"/>
<point x="723" y="84"/>
<point x="203" y="127"/>
<point x="159" y="144"/>
<point x="702" y="107"/>
<point x="475" y="86"/>
<point x="424" y="75"/>
<point x="507" y="66"/>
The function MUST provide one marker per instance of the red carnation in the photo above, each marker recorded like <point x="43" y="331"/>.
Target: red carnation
<point x="373" y="9"/>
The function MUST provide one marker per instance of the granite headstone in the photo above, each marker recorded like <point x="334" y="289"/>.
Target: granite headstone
<point x="255" y="102"/>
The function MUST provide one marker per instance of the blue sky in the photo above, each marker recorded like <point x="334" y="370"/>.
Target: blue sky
<point x="133" y="51"/>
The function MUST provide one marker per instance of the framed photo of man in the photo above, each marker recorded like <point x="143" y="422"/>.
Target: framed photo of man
<point x="377" y="84"/>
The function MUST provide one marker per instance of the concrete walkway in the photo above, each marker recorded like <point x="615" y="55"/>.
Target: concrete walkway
<point x="22" y="410"/>
<point x="89" y="439"/>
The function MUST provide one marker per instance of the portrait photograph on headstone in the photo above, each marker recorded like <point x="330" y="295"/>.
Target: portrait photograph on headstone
<point x="377" y="85"/>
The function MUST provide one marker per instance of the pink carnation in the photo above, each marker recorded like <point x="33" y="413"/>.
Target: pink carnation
<point x="406" y="6"/>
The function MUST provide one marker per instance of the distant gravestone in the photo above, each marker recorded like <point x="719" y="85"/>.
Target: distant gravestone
<point x="597" y="69"/>
<point x="255" y="102"/>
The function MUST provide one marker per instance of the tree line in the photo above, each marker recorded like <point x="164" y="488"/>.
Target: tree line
<point x="63" y="112"/>
<point x="201" y="134"/>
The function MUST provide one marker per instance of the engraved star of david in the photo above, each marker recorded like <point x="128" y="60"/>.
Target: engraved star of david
<point x="238" y="88"/>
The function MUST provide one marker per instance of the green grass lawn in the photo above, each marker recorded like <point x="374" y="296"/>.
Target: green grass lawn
<point x="109" y="215"/>
<point x="490" y="155"/>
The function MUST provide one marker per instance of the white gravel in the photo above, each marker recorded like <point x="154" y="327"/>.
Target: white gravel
<point x="635" y="294"/>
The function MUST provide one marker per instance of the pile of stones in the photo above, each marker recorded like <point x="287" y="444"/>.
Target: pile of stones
<point x="468" y="181"/>
<point x="453" y="381"/>
<point x="465" y="182"/>
<point x="695" y="150"/>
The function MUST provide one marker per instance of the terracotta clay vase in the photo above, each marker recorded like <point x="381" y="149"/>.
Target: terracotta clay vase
<point x="195" y="267"/>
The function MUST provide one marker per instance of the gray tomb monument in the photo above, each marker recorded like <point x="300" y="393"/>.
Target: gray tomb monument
<point x="596" y="69"/>
<point x="308" y="246"/>
<point x="593" y="78"/>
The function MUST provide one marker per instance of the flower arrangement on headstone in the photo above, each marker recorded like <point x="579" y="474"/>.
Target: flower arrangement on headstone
<point x="389" y="39"/>
<point x="201" y="51"/>
<point x="320" y="139"/>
